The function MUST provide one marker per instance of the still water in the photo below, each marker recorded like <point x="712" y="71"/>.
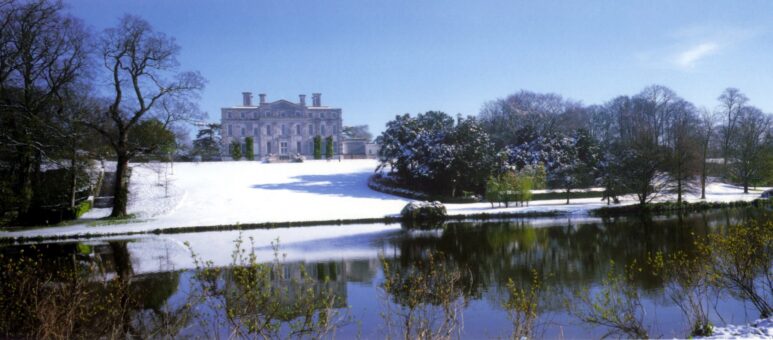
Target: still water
<point x="572" y="253"/>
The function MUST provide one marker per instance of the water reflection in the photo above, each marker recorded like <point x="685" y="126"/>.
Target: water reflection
<point x="574" y="253"/>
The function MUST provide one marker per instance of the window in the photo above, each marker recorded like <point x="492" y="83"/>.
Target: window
<point x="298" y="147"/>
<point x="311" y="129"/>
<point x="243" y="133"/>
<point x="284" y="130"/>
<point x="323" y="129"/>
<point x="242" y="114"/>
<point x="230" y="130"/>
<point x="256" y="115"/>
<point x="268" y="130"/>
<point x="256" y="132"/>
<point x="268" y="147"/>
<point x="283" y="148"/>
<point x="298" y="130"/>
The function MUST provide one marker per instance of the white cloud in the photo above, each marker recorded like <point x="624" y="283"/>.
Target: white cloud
<point x="688" y="58"/>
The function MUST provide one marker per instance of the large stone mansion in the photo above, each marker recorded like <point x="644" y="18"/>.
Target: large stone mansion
<point x="281" y="128"/>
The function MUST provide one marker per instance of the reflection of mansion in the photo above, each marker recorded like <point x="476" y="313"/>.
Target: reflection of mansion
<point x="282" y="127"/>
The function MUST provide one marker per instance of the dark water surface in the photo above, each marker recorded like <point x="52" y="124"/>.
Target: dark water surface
<point x="574" y="253"/>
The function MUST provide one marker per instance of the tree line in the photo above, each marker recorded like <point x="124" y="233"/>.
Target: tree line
<point x="69" y="95"/>
<point x="648" y="144"/>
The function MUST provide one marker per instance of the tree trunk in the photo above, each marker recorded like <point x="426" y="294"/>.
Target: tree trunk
<point x="568" y="193"/>
<point x="23" y="185"/>
<point x="679" y="191"/>
<point x="73" y="177"/>
<point x="703" y="170"/>
<point x="120" y="191"/>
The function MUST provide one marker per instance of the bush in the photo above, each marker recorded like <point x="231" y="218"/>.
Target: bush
<point x="81" y="208"/>
<point x="236" y="150"/>
<point x="741" y="262"/>
<point x="317" y="147"/>
<point x="249" y="152"/>
<point x="329" y="147"/>
<point x="423" y="214"/>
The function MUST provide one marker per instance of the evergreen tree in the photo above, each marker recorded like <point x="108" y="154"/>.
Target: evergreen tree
<point x="207" y="143"/>
<point x="317" y="147"/>
<point x="249" y="152"/>
<point x="236" y="150"/>
<point x="329" y="147"/>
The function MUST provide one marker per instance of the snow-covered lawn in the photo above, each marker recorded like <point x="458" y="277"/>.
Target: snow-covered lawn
<point x="223" y="193"/>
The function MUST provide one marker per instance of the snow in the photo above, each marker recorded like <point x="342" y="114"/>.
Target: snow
<point x="240" y="192"/>
<point x="760" y="329"/>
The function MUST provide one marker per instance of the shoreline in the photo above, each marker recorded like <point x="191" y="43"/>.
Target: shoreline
<point x="251" y="195"/>
<point x="604" y="212"/>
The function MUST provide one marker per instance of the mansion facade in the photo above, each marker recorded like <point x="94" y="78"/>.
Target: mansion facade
<point x="281" y="128"/>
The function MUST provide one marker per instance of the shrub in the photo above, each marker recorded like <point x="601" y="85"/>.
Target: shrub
<point x="616" y="305"/>
<point x="249" y="152"/>
<point x="428" y="295"/>
<point x="81" y="208"/>
<point x="521" y="306"/>
<point x="317" y="147"/>
<point x="741" y="262"/>
<point x="687" y="281"/>
<point x="236" y="150"/>
<point x="329" y="147"/>
<point x="423" y="214"/>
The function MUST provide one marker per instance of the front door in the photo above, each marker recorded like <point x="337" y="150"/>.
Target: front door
<point x="282" y="148"/>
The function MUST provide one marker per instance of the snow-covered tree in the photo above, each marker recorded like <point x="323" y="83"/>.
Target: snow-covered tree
<point x="430" y="152"/>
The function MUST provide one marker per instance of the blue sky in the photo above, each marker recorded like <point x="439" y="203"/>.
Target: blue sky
<point x="376" y="59"/>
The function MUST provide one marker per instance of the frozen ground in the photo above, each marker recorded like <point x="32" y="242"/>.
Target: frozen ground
<point x="223" y="193"/>
<point x="760" y="329"/>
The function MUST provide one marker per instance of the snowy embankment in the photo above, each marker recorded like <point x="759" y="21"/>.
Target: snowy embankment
<point x="225" y="193"/>
<point x="760" y="329"/>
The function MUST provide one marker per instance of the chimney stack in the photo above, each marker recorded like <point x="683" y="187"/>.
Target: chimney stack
<point x="316" y="99"/>
<point x="262" y="98"/>
<point x="303" y="99"/>
<point x="246" y="98"/>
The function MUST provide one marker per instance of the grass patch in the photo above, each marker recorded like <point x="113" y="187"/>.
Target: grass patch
<point x="130" y="218"/>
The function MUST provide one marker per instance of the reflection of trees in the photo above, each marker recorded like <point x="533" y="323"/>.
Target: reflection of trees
<point x="267" y="300"/>
<point x="75" y="290"/>
<point x="572" y="254"/>
<point x="426" y="296"/>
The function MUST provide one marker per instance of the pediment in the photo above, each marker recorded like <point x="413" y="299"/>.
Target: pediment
<point x="284" y="105"/>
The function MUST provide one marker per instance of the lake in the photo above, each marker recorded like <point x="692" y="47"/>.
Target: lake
<point x="571" y="253"/>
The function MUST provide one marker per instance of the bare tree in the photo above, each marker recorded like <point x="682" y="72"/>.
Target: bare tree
<point x="752" y="135"/>
<point x="683" y="160"/>
<point x="707" y="130"/>
<point x="42" y="52"/>
<point x="142" y="67"/>
<point x="730" y="103"/>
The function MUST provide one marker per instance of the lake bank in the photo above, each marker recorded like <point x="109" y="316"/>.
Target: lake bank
<point x="210" y="195"/>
